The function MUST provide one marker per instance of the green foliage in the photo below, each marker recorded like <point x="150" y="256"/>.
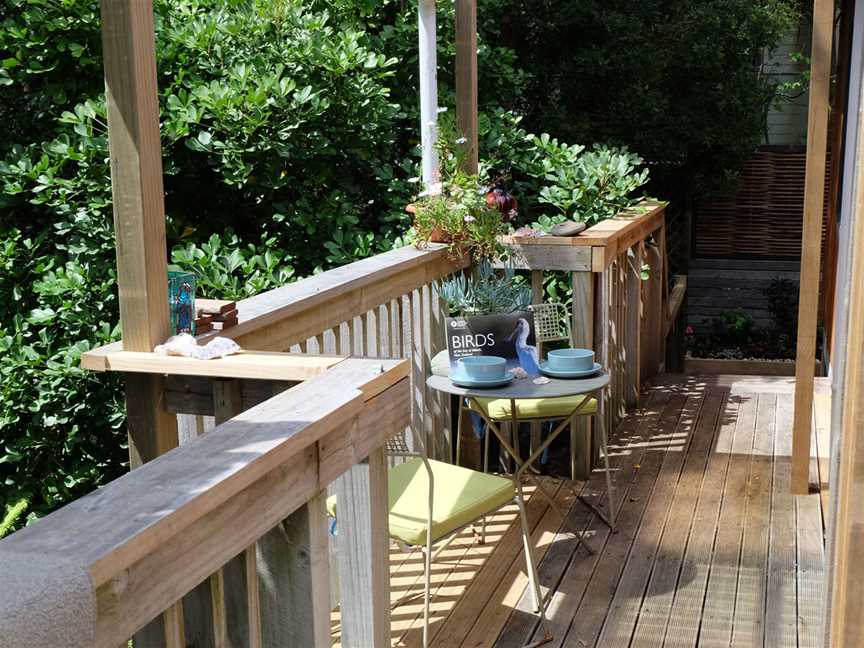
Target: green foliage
<point x="734" y="336"/>
<point x="14" y="512"/>
<point x="676" y="82"/>
<point x="589" y="186"/>
<point x="485" y="292"/>
<point x="225" y="268"/>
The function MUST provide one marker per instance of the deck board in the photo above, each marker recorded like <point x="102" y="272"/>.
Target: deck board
<point x="710" y="550"/>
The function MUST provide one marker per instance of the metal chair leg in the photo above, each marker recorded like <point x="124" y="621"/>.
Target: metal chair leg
<point x="533" y="579"/>
<point x="609" y="518"/>
<point x="427" y="595"/>
<point x="610" y="491"/>
<point x="487" y="432"/>
<point x="459" y="430"/>
<point x="533" y="584"/>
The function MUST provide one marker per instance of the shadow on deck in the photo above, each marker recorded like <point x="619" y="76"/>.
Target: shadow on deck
<point x="710" y="547"/>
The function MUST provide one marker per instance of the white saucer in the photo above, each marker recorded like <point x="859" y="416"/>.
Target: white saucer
<point x="464" y="381"/>
<point x="555" y="373"/>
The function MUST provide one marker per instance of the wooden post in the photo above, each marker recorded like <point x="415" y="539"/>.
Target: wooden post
<point x="811" y="241"/>
<point x="846" y="595"/>
<point x="139" y="213"/>
<point x="364" y="566"/>
<point x="466" y="80"/>
<point x="583" y="336"/>
<point x="139" y="225"/>
<point x="428" y="90"/>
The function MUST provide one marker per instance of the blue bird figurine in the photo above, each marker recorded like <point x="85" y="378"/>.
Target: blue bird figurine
<point x="527" y="354"/>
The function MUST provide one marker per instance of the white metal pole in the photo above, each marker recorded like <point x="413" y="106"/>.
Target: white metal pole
<point x="428" y="92"/>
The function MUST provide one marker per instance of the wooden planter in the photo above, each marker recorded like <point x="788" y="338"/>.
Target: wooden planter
<point x="714" y="366"/>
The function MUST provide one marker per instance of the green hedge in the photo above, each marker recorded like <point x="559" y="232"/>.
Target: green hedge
<point x="289" y="134"/>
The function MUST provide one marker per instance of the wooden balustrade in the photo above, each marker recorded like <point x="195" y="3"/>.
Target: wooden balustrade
<point x="221" y="541"/>
<point x="150" y="537"/>
<point x="624" y="318"/>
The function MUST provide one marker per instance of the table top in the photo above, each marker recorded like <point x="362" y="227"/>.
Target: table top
<point x="524" y="387"/>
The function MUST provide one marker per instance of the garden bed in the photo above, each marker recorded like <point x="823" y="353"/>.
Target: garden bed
<point x="748" y="367"/>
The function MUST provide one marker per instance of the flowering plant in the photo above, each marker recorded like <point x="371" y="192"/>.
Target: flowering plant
<point x="456" y="212"/>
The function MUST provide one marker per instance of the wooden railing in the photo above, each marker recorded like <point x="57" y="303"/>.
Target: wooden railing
<point x="623" y="317"/>
<point x="223" y="541"/>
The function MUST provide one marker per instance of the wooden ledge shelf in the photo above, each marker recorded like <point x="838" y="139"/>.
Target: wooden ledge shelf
<point x="258" y="365"/>
<point x="592" y="250"/>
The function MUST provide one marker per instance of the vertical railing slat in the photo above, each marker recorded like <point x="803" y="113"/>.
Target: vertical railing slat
<point x="253" y="603"/>
<point x="364" y="570"/>
<point x="172" y="620"/>
<point x="583" y="336"/>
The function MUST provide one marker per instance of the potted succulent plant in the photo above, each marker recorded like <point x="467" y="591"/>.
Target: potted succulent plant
<point x="484" y="292"/>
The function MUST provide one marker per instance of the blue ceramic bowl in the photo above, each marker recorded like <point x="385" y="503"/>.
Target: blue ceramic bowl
<point x="483" y="367"/>
<point x="571" y="360"/>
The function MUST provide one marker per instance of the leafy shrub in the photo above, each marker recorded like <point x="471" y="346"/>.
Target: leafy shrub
<point x="289" y="131"/>
<point x="590" y="186"/>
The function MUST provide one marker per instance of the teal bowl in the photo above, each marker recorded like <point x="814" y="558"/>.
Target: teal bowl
<point x="483" y="367"/>
<point x="571" y="360"/>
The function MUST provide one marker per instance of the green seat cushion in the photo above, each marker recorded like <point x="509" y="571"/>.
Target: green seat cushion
<point x="498" y="409"/>
<point x="461" y="497"/>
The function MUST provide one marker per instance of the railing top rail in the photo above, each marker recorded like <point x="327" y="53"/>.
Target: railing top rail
<point x="198" y="502"/>
<point x="275" y="319"/>
<point x="591" y="250"/>
<point x="631" y="225"/>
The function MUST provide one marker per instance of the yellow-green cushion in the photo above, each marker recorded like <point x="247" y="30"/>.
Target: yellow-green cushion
<point x="498" y="409"/>
<point x="461" y="497"/>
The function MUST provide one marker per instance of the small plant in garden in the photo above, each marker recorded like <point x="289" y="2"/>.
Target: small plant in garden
<point x="456" y="213"/>
<point x="734" y="336"/>
<point x="782" y="297"/>
<point x="485" y="292"/>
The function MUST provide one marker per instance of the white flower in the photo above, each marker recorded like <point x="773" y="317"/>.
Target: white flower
<point x="442" y="109"/>
<point x="413" y="180"/>
<point x="461" y="140"/>
<point x="469" y="218"/>
<point x="433" y="189"/>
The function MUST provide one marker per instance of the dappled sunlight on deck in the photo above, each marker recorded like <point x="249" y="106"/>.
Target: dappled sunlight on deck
<point x="711" y="549"/>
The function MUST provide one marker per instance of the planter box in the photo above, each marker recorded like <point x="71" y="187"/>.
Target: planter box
<point x="593" y="249"/>
<point x="715" y="366"/>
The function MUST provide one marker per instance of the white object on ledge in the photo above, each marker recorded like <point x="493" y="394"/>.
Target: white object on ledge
<point x="187" y="346"/>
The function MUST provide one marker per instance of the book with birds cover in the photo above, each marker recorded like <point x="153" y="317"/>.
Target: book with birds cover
<point x="506" y="335"/>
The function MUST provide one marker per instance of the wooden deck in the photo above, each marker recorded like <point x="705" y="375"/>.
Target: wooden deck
<point x="711" y="549"/>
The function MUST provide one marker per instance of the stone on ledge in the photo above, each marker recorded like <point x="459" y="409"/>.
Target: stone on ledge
<point x="567" y="228"/>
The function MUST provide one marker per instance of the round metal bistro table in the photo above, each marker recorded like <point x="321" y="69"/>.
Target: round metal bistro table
<point x="525" y="388"/>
